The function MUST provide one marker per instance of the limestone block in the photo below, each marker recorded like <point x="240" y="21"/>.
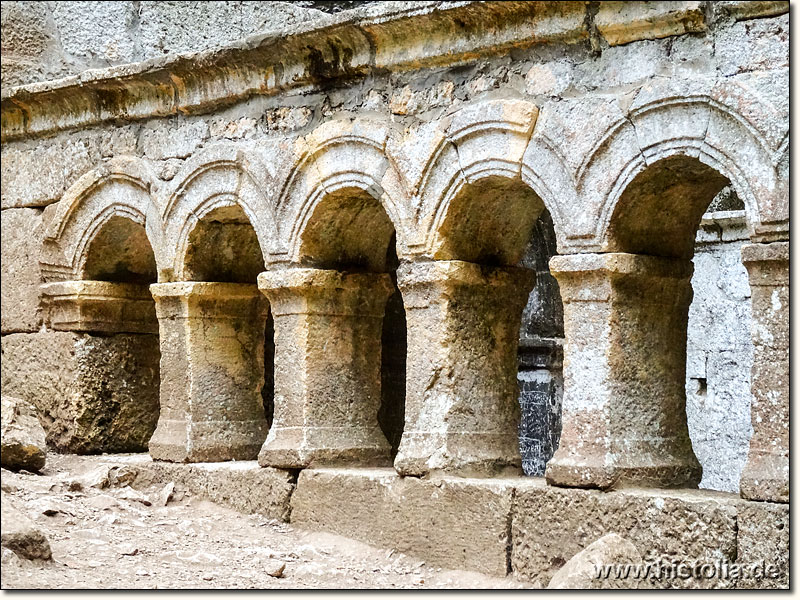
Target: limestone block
<point x="29" y="43"/>
<point x="92" y="393"/>
<point x="22" y="437"/>
<point x="241" y="485"/>
<point x="580" y="572"/>
<point x="623" y="22"/>
<point x="160" y="141"/>
<point x="20" y="533"/>
<point x="764" y="538"/>
<point x="99" y="306"/>
<point x="328" y="328"/>
<point x="212" y="372"/>
<point x="20" y="277"/>
<point x="38" y="172"/>
<point x="624" y="405"/>
<point x="752" y="45"/>
<point x="453" y="523"/>
<point x="550" y="525"/>
<point x="462" y="412"/>
<point x="750" y="9"/>
<point x="97" y="33"/>
<point x="766" y="474"/>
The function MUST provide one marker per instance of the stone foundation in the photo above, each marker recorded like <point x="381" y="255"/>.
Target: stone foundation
<point x="93" y="393"/>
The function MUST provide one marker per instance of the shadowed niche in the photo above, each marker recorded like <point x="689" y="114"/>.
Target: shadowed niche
<point x="121" y="253"/>
<point x="489" y="222"/>
<point x="659" y="212"/>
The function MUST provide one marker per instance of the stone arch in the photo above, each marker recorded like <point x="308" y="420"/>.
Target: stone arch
<point x="695" y="125"/>
<point x="341" y="160"/>
<point x="115" y="193"/>
<point x="214" y="182"/>
<point x="648" y="180"/>
<point x="101" y="249"/>
<point x="482" y="147"/>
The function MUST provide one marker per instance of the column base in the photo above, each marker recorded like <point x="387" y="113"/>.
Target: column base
<point x="765" y="477"/>
<point x="468" y="454"/>
<point x="209" y="441"/>
<point x="302" y="447"/>
<point x="651" y="467"/>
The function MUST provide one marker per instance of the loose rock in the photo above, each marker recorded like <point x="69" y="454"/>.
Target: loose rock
<point x="22" y="439"/>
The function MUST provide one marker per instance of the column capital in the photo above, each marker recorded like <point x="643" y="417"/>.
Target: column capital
<point x="99" y="306"/>
<point x="767" y="264"/>
<point x="302" y="290"/>
<point x="461" y="273"/>
<point x="201" y="299"/>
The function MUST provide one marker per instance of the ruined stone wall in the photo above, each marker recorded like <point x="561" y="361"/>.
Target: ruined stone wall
<point x="564" y="93"/>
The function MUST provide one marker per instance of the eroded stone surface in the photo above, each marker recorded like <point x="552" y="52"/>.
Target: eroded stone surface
<point x="92" y="394"/>
<point x="551" y="525"/>
<point x="212" y="372"/>
<point x="21" y="240"/>
<point x="461" y="389"/>
<point x="22" y="437"/>
<point x="766" y="474"/>
<point x="328" y="328"/>
<point x="624" y="408"/>
<point x="458" y="523"/>
<point x="581" y="571"/>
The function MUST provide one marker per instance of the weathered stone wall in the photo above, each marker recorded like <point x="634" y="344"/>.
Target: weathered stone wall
<point x="587" y="70"/>
<point x="48" y="40"/>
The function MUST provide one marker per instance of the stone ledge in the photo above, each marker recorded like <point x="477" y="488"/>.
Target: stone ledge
<point x="326" y="50"/>
<point x="451" y="522"/>
<point x="623" y="22"/>
<point x="240" y="485"/>
<point x="523" y="526"/>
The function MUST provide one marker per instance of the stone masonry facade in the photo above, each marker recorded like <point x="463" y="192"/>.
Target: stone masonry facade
<point x="536" y="246"/>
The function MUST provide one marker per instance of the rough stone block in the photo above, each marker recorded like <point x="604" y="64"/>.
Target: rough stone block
<point x="623" y="22"/>
<point x="758" y="44"/>
<point x="37" y="172"/>
<point x="97" y="33"/>
<point x="240" y="485"/>
<point x="178" y="141"/>
<point x="550" y="525"/>
<point x="93" y="394"/>
<point x="764" y="536"/>
<point x="450" y="522"/>
<point x="21" y="238"/>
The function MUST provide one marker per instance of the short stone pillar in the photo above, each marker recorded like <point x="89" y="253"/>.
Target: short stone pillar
<point x="462" y="409"/>
<point x="766" y="473"/>
<point x="327" y="367"/>
<point x="624" y="405"/>
<point x="212" y="371"/>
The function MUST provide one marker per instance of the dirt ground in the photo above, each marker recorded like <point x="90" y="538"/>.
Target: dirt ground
<point x="111" y="536"/>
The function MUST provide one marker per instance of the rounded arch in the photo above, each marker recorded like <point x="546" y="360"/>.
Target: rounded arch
<point x="340" y="161"/>
<point x="480" y="155"/>
<point x="115" y="196"/>
<point x="217" y="179"/>
<point x="693" y="126"/>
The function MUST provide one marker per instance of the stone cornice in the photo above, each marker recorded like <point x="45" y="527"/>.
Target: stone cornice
<point x="326" y="50"/>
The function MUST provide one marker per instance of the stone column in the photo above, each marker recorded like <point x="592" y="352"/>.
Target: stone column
<point x="462" y="410"/>
<point x="624" y="405"/>
<point x="212" y="371"/>
<point x="327" y="367"/>
<point x="766" y="473"/>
